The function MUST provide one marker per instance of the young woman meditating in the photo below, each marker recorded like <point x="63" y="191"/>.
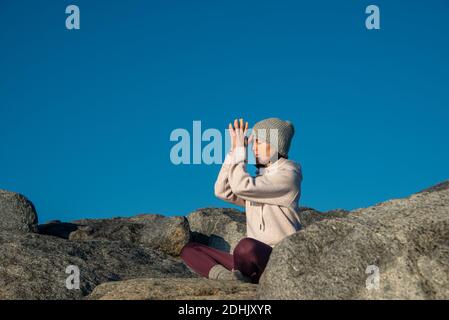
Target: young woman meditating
<point x="270" y="200"/>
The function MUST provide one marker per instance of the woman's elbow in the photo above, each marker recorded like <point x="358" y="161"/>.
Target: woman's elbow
<point x="219" y="192"/>
<point x="219" y="195"/>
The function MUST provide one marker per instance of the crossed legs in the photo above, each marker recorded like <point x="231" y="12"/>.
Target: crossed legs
<point x="250" y="257"/>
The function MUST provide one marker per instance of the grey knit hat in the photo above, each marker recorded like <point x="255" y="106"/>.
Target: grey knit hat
<point x="267" y="130"/>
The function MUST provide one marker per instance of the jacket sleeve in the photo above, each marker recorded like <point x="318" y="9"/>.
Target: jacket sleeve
<point x="223" y="188"/>
<point x="275" y="188"/>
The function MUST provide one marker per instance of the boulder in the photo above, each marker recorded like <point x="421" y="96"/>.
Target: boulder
<point x="220" y="228"/>
<point x="57" y="228"/>
<point x="168" y="234"/>
<point x="398" y="249"/>
<point x="174" y="289"/>
<point x="308" y="216"/>
<point x="33" y="266"/>
<point x="223" y="228"/>
<point x="438" y="187"/>
<point x="17" y="213"/>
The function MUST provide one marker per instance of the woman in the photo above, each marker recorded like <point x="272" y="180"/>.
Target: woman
<point x="270" y="199"/>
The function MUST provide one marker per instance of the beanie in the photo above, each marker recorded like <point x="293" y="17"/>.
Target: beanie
<point x="272" y="129"/>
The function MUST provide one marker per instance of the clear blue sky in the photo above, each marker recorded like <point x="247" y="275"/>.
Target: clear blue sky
<point x="86" y="115"/>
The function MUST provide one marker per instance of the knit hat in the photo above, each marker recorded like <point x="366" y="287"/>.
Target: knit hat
<point x="272" y="129"/>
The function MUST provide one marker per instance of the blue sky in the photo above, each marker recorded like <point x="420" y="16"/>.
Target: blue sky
<point x="86" y="115"/>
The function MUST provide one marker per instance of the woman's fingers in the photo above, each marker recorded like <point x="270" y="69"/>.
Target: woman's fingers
<point x="231" y="130"/>
<point x="238" y="132"/>
<point x="239" y="126"/>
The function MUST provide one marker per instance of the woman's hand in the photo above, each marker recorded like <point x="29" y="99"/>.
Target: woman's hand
<point x="238" y="134"/>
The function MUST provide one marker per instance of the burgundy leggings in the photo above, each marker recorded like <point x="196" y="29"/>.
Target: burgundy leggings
<point x="250" y="256"/>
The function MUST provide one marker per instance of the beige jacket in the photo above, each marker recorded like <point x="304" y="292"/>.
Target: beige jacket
<point x="270" y="199"/>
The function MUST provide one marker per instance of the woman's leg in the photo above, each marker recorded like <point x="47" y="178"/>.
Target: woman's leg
<point x="201" y="258"/>
<point x="251" y="257"/>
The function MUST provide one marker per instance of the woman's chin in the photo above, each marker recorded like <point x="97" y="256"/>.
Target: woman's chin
<point x="261" y="162"/>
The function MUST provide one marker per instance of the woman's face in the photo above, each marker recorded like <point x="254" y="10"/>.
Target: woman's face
<point x="262" y="151"/>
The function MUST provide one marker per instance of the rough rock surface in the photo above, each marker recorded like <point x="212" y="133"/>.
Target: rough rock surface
<point x="406" y="239"/>
<point x="17" y="213"/>
<point x="308" y="216"/>
<point x="221" y="228"/>
<point x="174" y="289"/>
<point x="57" y="228"/>
<point x="168" y="234"/>
<point x="33" y="266"/>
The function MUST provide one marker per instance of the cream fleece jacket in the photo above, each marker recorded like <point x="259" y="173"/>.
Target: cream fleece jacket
<point x="271" y="199"/>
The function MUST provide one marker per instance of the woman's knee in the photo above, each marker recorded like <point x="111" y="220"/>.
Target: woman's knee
<point x="245" y="247"/>
<point x="188" y="248"/>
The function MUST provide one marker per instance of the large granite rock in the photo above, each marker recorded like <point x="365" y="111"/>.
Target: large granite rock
<point x="220" y="228"/>
<point x="174" y="289"/>
<point x="33" y="266"/>
<point x="168" y="234"/>
<point x="405" y="240"/>
<point x="223" y="228"/>
<point x="57" y="228"/>
<point x="17" y="213"/>
<point x="309" y="216"/>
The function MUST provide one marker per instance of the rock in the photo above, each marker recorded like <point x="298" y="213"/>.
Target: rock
<point x="17" y="213"/>
<point x="223" y="228"/>
<point x="438" y="187"/>
<point x="220" y="228"/>
<point x="33" y="266"/>
<point x="168" y="234"/>
<point x="57" y="228"/>
<point x="406" y="240"/>
<point x="308" y="216"/>
<point x="174" y="289"/>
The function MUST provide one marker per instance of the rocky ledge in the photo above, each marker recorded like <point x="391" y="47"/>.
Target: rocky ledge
<point x="398" y="249"/>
